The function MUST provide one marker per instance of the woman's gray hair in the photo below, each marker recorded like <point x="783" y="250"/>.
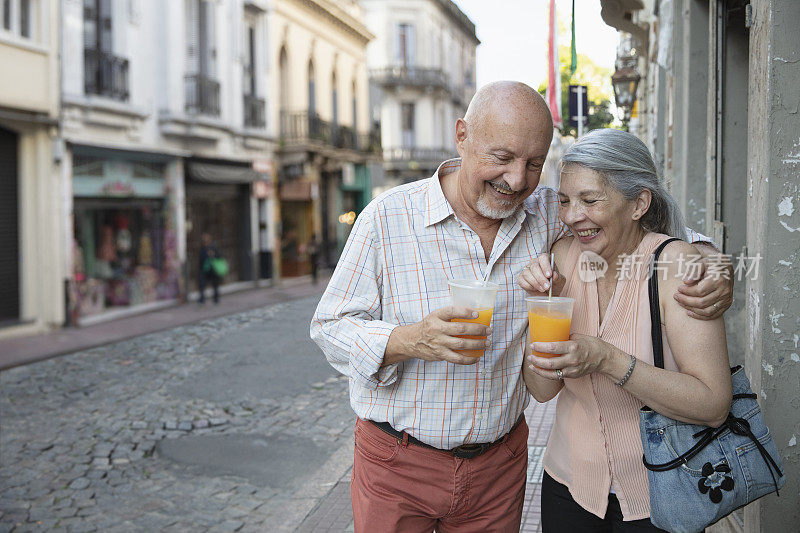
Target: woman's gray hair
<point x="626" y="164"/>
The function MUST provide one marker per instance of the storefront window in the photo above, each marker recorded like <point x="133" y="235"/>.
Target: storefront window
<point x="124" y="248"/>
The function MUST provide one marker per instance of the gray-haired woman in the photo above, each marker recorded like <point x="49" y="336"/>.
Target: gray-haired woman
<point x="617" y="209"/>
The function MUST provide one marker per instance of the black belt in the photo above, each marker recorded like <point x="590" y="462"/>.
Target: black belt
<point x="465" y="451"/>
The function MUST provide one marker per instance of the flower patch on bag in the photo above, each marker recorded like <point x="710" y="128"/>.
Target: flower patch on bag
<point x="715" y="480"/>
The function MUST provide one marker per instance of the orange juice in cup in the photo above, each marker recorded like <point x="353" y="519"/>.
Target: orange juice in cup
<point x="478" y="296"/>
<point x="549" y="320"/>
<point x="484" y="317"/>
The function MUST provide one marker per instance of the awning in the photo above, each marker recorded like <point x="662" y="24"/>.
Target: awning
<point x="216" y="173"/>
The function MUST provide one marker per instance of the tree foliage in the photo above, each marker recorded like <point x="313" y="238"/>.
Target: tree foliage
<point x="596" y="78"/>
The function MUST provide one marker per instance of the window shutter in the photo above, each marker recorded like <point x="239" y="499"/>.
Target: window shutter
<point x="355" y="107"/>
<point x="334" y="100"/>
<point x="251" y="59"/>
<point x="89" y="24"/>
<point x="106" y="30"/>
<point x="6" y="15"/>
<point x="211" y="39"/>
<point x="398" y="45"/>
<point x="312" y="91"/>
<point x="192" y="37"/>
<point x="411" y="45"/>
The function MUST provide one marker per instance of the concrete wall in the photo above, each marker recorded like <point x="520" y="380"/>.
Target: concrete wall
<point x="773" y="231"/>
<point x="30" y="66"/>
<point x="690" y="190"/>
<point x="32" y="63"/>
<point x="30" y="107"/>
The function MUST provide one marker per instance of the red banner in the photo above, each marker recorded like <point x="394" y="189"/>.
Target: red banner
<point x="553" y="68"/>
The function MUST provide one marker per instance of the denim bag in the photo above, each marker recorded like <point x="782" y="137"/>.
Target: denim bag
<point x="699" y="474"/>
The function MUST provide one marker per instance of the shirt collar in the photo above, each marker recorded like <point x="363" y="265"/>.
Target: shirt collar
<point x="438" y="208"/>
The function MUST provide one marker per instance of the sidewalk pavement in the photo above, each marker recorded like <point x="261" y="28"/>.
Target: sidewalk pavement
<point x="23" y="350"/>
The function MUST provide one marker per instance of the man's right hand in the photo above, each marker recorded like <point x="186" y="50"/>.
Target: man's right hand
<point x="434" y="338"/>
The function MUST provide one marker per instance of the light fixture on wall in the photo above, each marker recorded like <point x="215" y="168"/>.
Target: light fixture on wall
<point x="625" y="81"/>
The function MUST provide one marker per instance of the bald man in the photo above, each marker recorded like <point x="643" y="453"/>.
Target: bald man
<point x="440" y="438"/>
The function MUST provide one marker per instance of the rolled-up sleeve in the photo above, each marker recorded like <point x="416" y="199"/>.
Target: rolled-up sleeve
<point x="695" y="237"/>
<point x="347" y="324"/>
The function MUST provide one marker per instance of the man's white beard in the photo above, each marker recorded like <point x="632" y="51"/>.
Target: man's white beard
<point x="488" y="211"/>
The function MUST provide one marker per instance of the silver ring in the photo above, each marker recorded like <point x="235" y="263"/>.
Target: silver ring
<point x="560" y="375"/>
<point x="714" y="305"/>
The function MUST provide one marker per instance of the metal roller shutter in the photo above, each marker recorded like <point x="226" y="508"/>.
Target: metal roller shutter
<point x="9" y="227"/>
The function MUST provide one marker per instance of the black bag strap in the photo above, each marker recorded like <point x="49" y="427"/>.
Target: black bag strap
<point x="655" y="309"/>
<point x="739" y="426"/>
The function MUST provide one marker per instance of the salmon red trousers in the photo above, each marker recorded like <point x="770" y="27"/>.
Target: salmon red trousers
<point x="398" y="486"/>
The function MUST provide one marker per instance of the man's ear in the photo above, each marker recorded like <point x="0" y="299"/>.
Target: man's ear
<point x="461" y="135"/>
<point x="643" y="200"/>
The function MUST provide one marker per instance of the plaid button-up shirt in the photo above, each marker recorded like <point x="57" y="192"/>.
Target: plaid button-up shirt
<point x="403" y="248"/>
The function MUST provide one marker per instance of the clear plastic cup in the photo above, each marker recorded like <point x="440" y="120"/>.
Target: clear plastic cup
<point x="549" y="319"/>
<point x="478" y="296"/>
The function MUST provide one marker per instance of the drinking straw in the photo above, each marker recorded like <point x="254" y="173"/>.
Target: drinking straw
<point x="552" y="262"/>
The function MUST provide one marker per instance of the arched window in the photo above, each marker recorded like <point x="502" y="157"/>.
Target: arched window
<point x="283" y="87"/>
<point x="355" y="107"/>
<point x="312" y="90"/>
<point x="334" y="100"/>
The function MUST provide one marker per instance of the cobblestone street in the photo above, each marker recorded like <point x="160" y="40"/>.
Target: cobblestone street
<point x="231" y="424"/>
<point x="89" y="441"/>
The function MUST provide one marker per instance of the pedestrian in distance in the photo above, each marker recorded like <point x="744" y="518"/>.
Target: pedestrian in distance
<point x="313" y="249"/>
<point x="440" y="437"/>
<point x="209" y="251"/>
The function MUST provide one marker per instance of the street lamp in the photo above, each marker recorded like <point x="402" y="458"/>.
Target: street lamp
<point x="625" y="81"/>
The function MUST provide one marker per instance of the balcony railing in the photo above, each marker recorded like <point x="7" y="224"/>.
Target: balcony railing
<point x="202" y="95"/>
<point x="410" y="76"/>
<point x="105" y="74"/>
<point x="371" y="142"/>
<point x="303" y="127"/>
<point x="419" y="155"/>
<point x="254" y="112"/>
<point x="345" y="137"/>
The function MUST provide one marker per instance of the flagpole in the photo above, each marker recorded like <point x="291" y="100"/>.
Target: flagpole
<point x="572" y="68"/>
<point x="573" y="49"/>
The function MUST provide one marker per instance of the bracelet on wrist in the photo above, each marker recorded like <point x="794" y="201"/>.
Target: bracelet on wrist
<point x="627" y="375"/>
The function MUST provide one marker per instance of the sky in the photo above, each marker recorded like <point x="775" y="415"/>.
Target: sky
<point x="513" y="36"/>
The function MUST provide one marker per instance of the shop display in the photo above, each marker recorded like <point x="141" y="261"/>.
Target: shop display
<point x="92" y="295"/>
<point x="135" y="261"/>
<point x="125" y="250"/>
<point x="145" y="250"/>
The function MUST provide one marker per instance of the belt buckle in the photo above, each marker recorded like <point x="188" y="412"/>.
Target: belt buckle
<point x="468" y="451"/>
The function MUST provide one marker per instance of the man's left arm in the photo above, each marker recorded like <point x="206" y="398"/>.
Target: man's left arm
<point x="707" y="291"/>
